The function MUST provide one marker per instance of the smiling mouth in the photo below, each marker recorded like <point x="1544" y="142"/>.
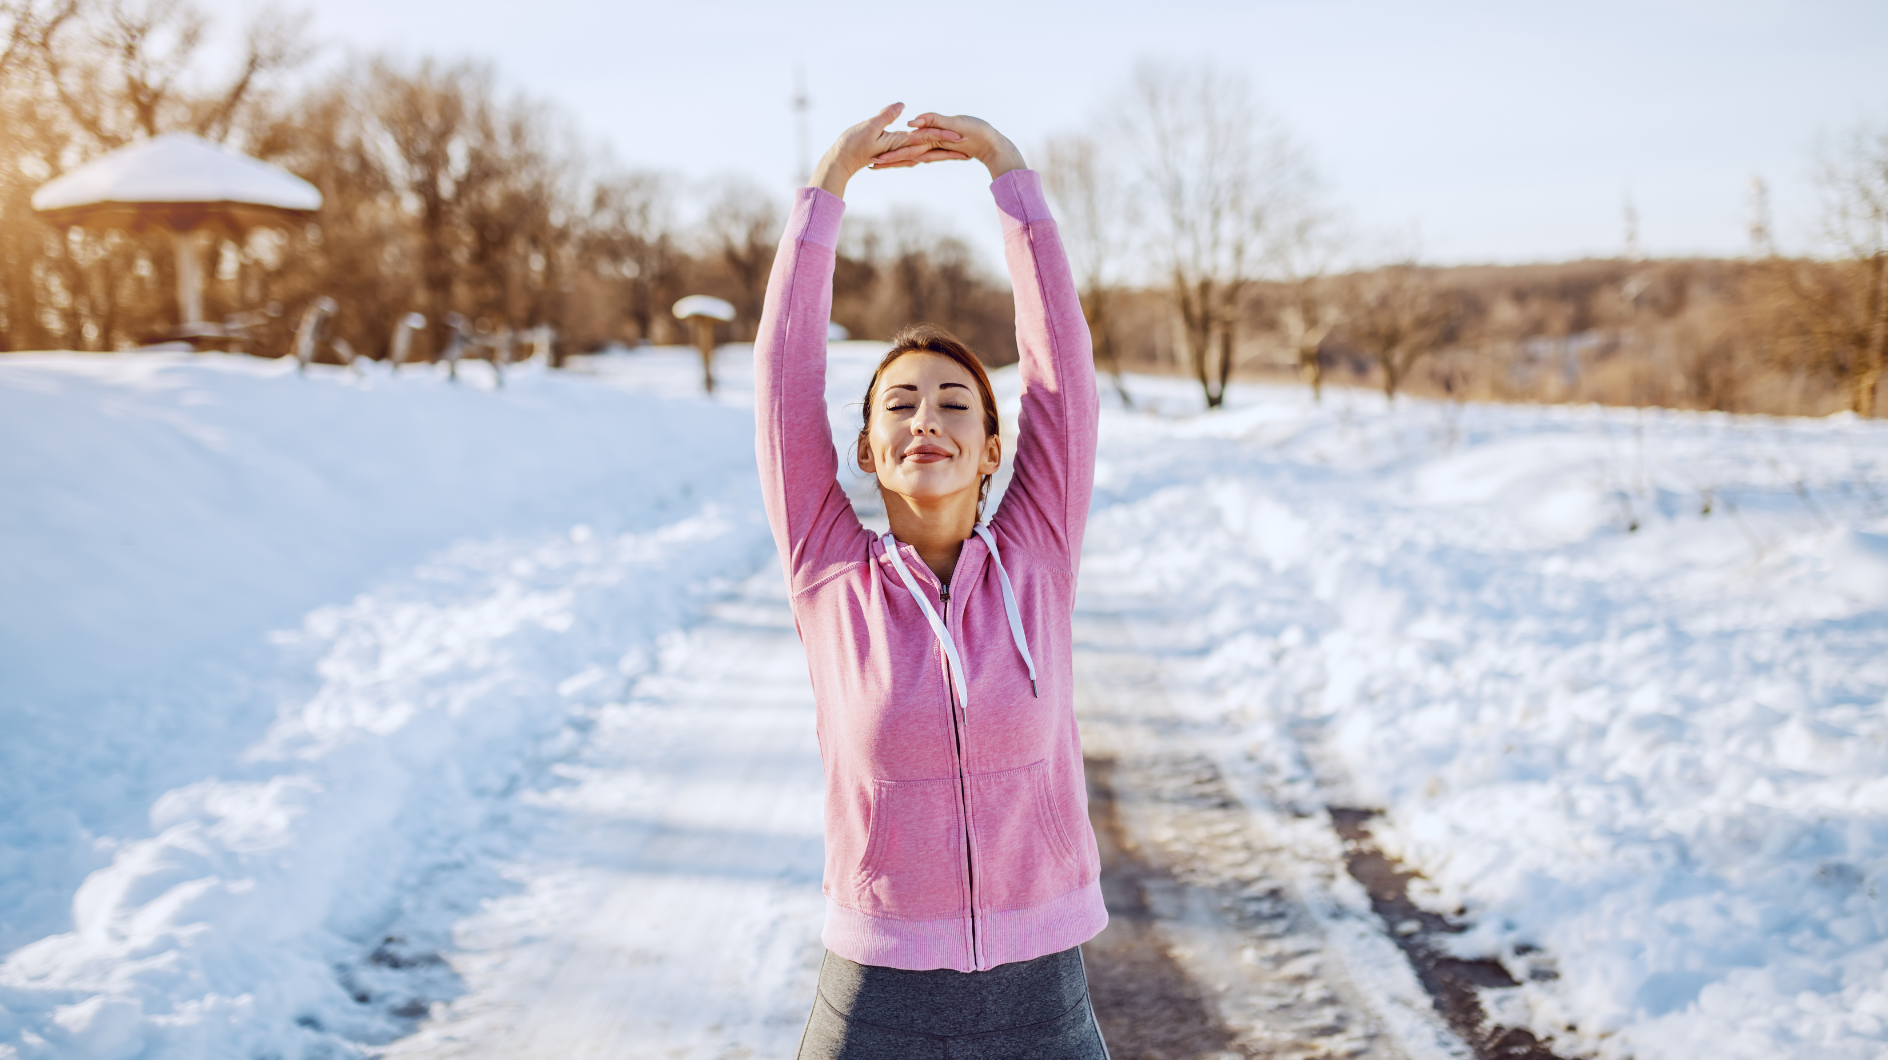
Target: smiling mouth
<point x="926" y="454"/>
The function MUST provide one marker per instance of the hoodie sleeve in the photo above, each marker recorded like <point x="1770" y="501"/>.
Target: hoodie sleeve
<point x="1046" y="504"/>
<point x="793" y="440"/>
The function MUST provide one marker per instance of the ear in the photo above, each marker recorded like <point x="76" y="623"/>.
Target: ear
<point x="992" y="455"/>
<point x="864" y="456"/>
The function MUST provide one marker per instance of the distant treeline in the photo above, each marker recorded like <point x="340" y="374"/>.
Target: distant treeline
<point x="1198" y="236"/>
<point x="1726" y="335"/>
<point x="442" y="193"/>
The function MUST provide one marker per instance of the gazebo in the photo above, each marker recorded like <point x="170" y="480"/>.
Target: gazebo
<point x="182" y="184"/>
<point x="702" y="311"/>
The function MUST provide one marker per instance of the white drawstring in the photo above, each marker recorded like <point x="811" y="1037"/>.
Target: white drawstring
<point x="937" y="624"/>
<point x="890" y="545"/>
<point x="1009" y="606"/>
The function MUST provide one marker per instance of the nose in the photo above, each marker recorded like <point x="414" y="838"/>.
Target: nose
<point x="922" y="421"/>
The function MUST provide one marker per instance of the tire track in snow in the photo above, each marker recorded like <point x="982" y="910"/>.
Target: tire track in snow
<point x="1252" y="907"/>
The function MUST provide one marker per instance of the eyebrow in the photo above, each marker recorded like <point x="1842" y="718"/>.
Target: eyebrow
<point x="914" y="386"/>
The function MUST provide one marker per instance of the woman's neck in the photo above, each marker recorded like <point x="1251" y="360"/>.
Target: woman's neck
<point x="936" y="527"/>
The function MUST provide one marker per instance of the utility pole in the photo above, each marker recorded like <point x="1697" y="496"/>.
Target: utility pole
<point x="800" y="131"/>
<point x="1632" y="230"/>
<point x="1762" y="239"/>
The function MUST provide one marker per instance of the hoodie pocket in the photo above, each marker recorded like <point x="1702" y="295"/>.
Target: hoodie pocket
<point x="1024" y="854"/>
<point x="913" y="868"/>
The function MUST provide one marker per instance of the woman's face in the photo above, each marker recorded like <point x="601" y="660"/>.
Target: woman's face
<point x="926" y="439"/>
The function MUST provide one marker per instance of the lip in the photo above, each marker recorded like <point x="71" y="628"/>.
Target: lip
<point x="926" y="453"/>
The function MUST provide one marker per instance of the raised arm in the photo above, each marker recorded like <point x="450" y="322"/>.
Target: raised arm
<point x="1048" y="496"/>
<point x="813" y="522"/>
<point x="1046" y="504"/>
<point x="793" y="439"/>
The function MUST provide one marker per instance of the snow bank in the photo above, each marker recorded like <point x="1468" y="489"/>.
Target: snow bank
<point x="246" y="812"/>
<point x="1618" y="678"/>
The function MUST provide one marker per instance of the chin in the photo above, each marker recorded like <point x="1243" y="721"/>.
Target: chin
<point x="927" y="491"/>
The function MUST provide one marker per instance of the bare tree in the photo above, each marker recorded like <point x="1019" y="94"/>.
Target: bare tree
<point x="1837" y="311"/>
<point x="272" y="42"/>
<point x="1222" y="180"/>
<point x="743" y="227"/>
<point x="1398" y="315"/>
<point x="1095" y="216"/>
<point x="1309" y="303"/>
<point x="23" y="23"/>
<point x="119" y="69"/>
<point x="431" y="132"/>
<point x="1306" y="317"/>
<point x="629" y="241"/>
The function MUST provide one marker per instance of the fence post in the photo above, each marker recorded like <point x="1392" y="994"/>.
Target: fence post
<point x="309" y="330"/>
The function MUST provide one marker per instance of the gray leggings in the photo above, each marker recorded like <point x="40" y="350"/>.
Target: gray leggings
<point x="1037" y="1010"/>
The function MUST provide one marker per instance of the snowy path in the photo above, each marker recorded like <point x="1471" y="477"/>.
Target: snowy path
<point x="668" y="876"/>
<point x="1249" y="901"/>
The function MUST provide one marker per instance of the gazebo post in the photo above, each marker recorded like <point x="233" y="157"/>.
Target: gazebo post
<point x="189" y="276"/>
<point x="704" y="328"/>
<point x="701" y="311"/>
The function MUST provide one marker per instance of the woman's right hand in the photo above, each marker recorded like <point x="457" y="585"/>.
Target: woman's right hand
<point x="976" y="139"/>
<point x="858" y="146"/>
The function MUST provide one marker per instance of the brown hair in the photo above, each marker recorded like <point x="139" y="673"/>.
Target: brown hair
<point x="929" y="338"/>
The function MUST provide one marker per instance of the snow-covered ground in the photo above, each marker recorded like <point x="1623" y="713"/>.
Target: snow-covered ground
<point x="1618" y="678"/>
<point x="281" y="656"/>
<point x="379" y="713"/>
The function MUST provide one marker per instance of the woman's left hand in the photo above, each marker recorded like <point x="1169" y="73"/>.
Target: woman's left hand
<point x="858" y="146"/>
<point x="970" y="136"/>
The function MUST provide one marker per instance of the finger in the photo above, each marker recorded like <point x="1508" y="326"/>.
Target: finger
<point x="910" y="150"/>
<point x="900" y="138"/>
<point x="934" y="155"/>
<point x="930" y="124"/>
<point x="932" y="120"/>
<point x="886" y="116"/>
<point x="892" y="139"/>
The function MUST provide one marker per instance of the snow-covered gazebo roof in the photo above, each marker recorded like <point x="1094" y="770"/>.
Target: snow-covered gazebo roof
<point x="703" y="305"/>
<point x="176" y="181"/>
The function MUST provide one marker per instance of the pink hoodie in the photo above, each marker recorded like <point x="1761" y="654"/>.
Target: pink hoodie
<point x="954" y="839"/>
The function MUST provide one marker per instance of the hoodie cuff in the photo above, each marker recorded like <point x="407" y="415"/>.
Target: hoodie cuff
<point x="815" y="218"/>
<point x="1019" y="198"/>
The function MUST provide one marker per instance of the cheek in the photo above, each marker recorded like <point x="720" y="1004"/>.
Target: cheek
<point x="882" y="442"/>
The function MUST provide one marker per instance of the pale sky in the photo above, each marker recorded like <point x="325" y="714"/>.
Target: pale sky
<point x="1487" y="131"/>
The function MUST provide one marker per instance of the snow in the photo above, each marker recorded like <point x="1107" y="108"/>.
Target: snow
<point x="177" y="168"/>
<point x="703" y="305"/>
<point x="280" y="651"/>
<point x="377" y="714"/>
<point x="1648" y="765"/>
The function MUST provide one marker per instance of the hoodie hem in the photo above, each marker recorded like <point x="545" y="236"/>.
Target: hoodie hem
<point x="927" y="945"/>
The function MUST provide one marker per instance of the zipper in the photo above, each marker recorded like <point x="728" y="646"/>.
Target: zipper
<point x="958" y="737"/>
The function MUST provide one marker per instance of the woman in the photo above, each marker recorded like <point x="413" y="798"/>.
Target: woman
<point x="961" y="874"/>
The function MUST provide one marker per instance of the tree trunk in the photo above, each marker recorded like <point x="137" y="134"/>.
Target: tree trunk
<point x="435" y="267"/>
<point x="1877" y="339"/>
<point x="1311" y="367"/>
<point x="1218" y="397"/>
<point x="1100" y="333"/>
<point x="705" y="342"/>
<point x="1196" y="328"/>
